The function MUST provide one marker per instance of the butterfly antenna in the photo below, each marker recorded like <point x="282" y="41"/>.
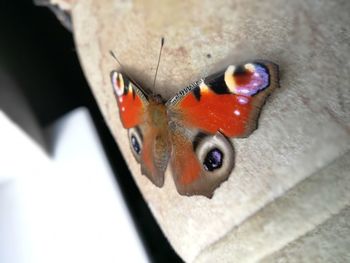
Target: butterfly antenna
<point x="122" y="67"/>
<point x="160" y="54"/>
<point x="115" y="58"/>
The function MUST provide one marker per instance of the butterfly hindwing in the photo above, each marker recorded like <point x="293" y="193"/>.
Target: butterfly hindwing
<point x="200" y="162"/>
<point x="206" y="114"/>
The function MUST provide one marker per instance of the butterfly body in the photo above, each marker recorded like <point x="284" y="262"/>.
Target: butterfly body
<point x="191" y="131"/>
<point x="157" y="113"/>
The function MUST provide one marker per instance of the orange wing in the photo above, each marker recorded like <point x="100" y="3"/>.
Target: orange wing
<point x="130" y="99"/>
<point x="228" y="102"/>
<point x="200" y="162"/>
<point x="207" y="112"/>
<point x="149" y="144"/>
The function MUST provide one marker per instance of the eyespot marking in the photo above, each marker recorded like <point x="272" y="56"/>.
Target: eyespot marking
<point x="118" y="83"/>
<point x="136" y="142"/>
<point x="247" y="80"/>
<point x="215" y="153"/>
<point x="213" y="160"/>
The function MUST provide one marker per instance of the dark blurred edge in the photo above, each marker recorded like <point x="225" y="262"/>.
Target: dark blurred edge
<point x="38" y="53"/>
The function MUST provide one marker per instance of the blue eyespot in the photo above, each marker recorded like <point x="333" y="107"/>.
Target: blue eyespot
<point x="135" y="138"/>
<point x="135" y="144"/>
<point x="215" y="153"/>
<point x="213" y="160"/>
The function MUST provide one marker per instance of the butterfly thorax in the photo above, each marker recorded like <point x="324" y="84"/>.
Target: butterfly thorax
<point x="157" y="113"/>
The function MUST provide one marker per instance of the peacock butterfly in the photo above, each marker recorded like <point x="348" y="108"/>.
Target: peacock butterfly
<point x="191" y="131"/>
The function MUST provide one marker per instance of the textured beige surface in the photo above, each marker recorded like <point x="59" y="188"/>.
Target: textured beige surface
<point x="328" y="242"/>
<point x="299" y="211"/>
<point x="303" y="129"/>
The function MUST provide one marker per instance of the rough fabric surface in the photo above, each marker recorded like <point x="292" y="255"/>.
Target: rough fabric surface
<point x="304" y="127"/>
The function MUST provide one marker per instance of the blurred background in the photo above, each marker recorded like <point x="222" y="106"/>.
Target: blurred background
<point x="61" y="196"/>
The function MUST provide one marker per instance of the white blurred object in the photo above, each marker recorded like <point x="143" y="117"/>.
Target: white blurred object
<point x="66" y="208"/>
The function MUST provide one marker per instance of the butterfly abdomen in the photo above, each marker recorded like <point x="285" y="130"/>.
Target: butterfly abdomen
<point x="161" y="151"/>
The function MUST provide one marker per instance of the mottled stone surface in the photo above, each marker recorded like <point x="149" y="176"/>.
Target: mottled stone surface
<point x="278" y="192"/>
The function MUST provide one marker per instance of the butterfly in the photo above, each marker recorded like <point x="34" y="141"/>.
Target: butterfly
<point x="192" y="130"/>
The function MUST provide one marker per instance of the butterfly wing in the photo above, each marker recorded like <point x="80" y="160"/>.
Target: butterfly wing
<point x="131" y="101"/>
<point x="200" y="162"/>
<point x="205" y="114"/>
<point x="149" y="144"/>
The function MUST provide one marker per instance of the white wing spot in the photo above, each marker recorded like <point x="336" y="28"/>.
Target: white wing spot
<point x="203" y="86"/>
<point x="120" y="99"/>
<point x="237" y="112"/>
<point x="123" y="109"/>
